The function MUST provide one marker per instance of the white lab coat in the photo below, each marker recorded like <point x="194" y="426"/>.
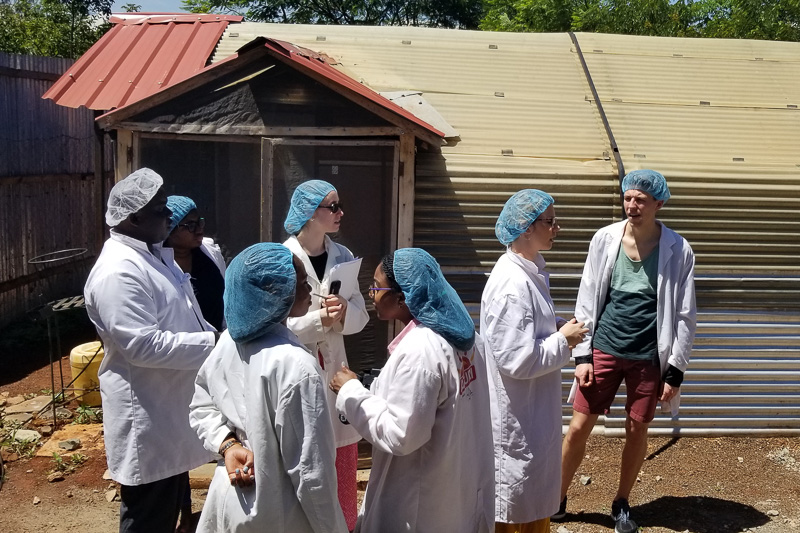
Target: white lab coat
<point x="212" y="250"/>
<point x="427" y="418"/>
<point x="524" y="355"/>
<point x="328" y="341"/>
<point x="270" y="393"/>
<point x="155" y="339"/>
<point x="676" y="309"/>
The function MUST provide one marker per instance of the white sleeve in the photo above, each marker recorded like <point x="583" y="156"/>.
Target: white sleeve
<point x="308" y="449"/>
<point x="308" y="328"/>
<point x="400" y="423"/>
<point x="685" y="314"/>
<point x="584" y="305"/>
<point x="510" y="333"/>
<point x="129" y="314"/>
<point x="204" y="415"/>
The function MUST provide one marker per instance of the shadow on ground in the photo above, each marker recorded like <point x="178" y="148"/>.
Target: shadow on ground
<point x="698" y="514"/>
<point x="24" y="343"/>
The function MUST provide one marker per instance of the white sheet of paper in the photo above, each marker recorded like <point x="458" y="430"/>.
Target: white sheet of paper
<point x="347" y="273"/>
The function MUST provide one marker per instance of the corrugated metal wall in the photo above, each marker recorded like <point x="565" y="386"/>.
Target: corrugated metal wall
<point x="49" y="197"/>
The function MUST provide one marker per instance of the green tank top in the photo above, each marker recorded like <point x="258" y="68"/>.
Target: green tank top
<point x="627" y="326"/>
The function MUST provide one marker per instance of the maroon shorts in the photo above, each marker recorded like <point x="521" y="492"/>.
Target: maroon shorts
<point x="642" y="382"/>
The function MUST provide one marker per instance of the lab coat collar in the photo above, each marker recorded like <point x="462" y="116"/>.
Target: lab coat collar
<point x="333" y="255"/>
<point x="136" y="244"/>
<point x="281" y="330"/>
<point x="406" y="330"/>
<point x="534" y="269"/>
<point x="160" y="254"/>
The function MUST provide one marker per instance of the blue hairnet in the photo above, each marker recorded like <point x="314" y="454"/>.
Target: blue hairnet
<point x="259" y="290"/>
<point x="431" y="299"/>
<point x="180" y="207"/>
<point x="519" y="212"/>
<point x="649" y="181"/>
<point x="131" y="194"/>
<point x="305" y="200"/>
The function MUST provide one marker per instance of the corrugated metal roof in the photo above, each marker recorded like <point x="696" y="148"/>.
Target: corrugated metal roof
<point x="307" y="60"/>
<point x="140" y="55"/>
<point x="523" y="93"/>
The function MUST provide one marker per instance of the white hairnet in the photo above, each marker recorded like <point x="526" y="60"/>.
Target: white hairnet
<point x="519" y="212"/>
<point x="131" y="194"/>
<point x="649" y="181"/>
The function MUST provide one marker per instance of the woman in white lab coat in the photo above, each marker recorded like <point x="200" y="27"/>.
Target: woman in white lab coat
<point x="260" y="404"/>
<point x="526" y="346"/>
<point x="427" y="413"/>
<point x="316" y="211"/>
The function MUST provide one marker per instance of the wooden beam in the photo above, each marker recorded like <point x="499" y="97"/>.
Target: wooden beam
<point x="266" y="190"/>
<point x="244" y="139"/>
<point x="262" y="131"/>
<point x="405" y="200"/>
<point x="124" y="154"/>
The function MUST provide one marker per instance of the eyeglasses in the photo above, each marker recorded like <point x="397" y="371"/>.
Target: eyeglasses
<point x="552" y="222"/>
<point x="194" y="225"/>
<point x="334" y="207"/>
<point x="373" y="290"/>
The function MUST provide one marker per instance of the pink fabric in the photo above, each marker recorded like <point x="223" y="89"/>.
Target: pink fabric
<point x="411" y="325"/>
<point x="346" y="467"/>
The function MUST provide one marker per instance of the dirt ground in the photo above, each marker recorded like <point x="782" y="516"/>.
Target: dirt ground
<point x="702" y="485"/>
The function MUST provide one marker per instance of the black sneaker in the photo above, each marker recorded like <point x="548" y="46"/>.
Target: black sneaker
<point x="562" y="511"/>
<point x="621" y="513"/>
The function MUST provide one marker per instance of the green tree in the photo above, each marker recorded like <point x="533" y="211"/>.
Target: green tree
<point x="131" y="8"/>
<point x="751" y="19"/>
<point x="433" y="13"/>
<point x="52" y="27"/>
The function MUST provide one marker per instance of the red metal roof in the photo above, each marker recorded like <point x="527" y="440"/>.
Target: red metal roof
<point x="141" y="54"/>
<point x="312" y="64"/>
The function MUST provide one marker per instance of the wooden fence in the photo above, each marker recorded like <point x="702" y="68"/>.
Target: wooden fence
<point x="51" y="192"/>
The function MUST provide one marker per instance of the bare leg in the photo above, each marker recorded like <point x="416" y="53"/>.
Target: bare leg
<point x="632" y="456"/>
<point x="574" y="446"/>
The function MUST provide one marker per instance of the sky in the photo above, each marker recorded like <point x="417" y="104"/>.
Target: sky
<point x="151" y="6"/>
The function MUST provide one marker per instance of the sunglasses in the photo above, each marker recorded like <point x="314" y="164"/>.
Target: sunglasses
<point x="194" y="225"/>
<point x="334" y="207"/>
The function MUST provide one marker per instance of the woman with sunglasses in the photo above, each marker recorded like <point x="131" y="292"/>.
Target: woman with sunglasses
<point x="526" y="346"/>
<point x="427" y="413"/>
<point x="316" y="211"/>
<point x="198" y="256"/>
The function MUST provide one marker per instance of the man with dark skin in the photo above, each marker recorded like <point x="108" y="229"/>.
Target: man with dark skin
<point x="155" y="340"/>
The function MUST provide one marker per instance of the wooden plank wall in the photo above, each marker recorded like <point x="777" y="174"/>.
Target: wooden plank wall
<point x="50" y="197"/>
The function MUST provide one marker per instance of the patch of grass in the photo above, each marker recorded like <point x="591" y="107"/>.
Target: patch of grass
<point x="25" y="449"/>
<point x="67" y="465"/>
<point x="88" y="415"/>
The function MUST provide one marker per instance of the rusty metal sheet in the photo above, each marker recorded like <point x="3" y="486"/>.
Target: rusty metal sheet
<point x="137" y="57"/>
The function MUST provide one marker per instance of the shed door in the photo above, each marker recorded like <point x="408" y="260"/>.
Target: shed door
<point x="365" y="173"/>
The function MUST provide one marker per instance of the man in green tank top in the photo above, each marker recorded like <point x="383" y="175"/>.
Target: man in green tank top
<point x="637" y="299"/>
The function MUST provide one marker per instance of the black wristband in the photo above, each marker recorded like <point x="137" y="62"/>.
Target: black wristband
<point x="583" y="360"/>
<point x="673" y="376"/>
